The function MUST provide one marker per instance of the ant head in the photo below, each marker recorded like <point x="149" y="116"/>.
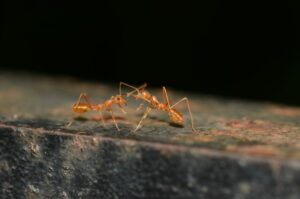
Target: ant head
<point x="80" y="108"/>
<point x="120" y="100"/>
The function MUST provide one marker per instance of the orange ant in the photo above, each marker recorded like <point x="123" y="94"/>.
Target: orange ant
<point x="80" y="107"/>
<point x="155" y="104"/>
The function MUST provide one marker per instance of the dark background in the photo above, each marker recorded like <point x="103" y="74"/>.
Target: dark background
<point x="244" y="49"/>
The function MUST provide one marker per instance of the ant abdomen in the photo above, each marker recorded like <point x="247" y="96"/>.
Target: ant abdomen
<point x="80" y="108"/>
<point x="175" y="115"/>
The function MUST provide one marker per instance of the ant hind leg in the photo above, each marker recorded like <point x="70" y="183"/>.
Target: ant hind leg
<point x="190" y="112"/>
<point x="166" y="97"/>
<point x="87" y="99"/>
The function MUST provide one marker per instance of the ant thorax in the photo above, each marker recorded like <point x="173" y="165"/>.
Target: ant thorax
<point x="154" y="101"/>
<point x="158" y="105"/>
<point x="146" y="94"/>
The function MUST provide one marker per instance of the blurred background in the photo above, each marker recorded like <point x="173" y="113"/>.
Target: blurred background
<point x="242" y="49"/>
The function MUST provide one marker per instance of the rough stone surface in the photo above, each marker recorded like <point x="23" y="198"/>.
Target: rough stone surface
<point x="243" y="149"/>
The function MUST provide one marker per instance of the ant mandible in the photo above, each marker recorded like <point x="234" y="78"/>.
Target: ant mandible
<point x="155" y="104"/>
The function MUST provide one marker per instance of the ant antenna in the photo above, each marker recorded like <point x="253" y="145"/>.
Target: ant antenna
<point x="135" y="88"/>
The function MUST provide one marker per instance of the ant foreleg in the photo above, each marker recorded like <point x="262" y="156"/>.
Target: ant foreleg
<point x="114" y="119"/>
<point x="102" y="118"/>
<point x="141" y="105"/>
<point x="190" y="112"/>
<point x="144" y="117"/>
<point x="122" y="109"/>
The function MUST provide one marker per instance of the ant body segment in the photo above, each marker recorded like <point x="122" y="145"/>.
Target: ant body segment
<point x="155" y="104"/>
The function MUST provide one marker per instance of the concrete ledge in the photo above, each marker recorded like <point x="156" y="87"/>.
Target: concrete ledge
<point x="243" y="149"/>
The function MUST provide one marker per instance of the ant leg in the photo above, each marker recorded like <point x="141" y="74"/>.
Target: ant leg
<point x="135" y="88"/>
<point x="114" y="119"/>
<point x="144" y="117"/>
<point x="140" y="87"/>
<point x="102" y="118"/>
<point x="125" y="84"/>
<point x="70" y="123"/>
<point x="87" y="99"/>
<point x="141" y="105"/>
<point x="122" y="109"/>
<point x="190" y="112"/>
<point x="165" y="96"/>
